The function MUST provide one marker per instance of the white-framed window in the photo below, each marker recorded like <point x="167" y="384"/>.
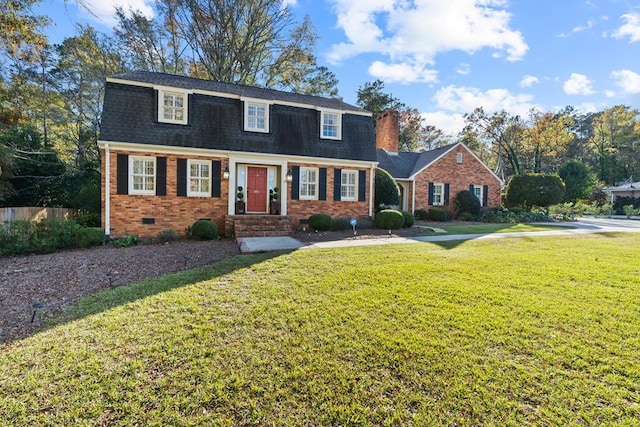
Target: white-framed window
<point x="256" y="116"/>
<point x="477" y="191"/>
<point x="142" y="174"/>
<point x="309" y="183"/>
<point x="348" y="185"/>
<point x="458" y="157"/>
<point x="172" y="106"/>
<point x="199" y="178"/>
<point x="438" y="194"/>
<point x="330" y="124"/>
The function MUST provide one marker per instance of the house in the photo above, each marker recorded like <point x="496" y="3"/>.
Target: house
<point x="627" y="188"/>
<point x="255" y="161"/>
<point x="433" y="178"/>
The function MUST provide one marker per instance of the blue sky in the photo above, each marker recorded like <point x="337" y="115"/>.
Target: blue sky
<point x="447" y="57"/>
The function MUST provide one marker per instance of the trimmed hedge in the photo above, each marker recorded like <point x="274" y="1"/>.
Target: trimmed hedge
<point x="389" y="219"/>
<point x="409" y="219"/>
<point x="320" y="222"/>
<point x="204" y="230"/>
<point x="437" y="214"/>
<point x="467" y="202"/>
<point x="421" y="214"/>
<point x="90" y="236"/>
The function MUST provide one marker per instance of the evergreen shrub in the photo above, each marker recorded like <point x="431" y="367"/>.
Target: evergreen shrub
<point x="204" y="230"/>
<point x="389" y="219"/>
<point x="320" y="222"/>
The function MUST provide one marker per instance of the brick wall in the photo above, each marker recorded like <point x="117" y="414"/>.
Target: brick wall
<point x="388" y="131"/>
<point x="459" y="176"/>
<point x="169" y="212"/>
<point x="303" y="209"/>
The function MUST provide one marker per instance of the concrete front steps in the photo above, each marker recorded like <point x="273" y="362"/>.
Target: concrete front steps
<point x="258" y="226"/>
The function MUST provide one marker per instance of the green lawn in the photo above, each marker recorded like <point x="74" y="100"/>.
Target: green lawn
<point x="498" y="228"/>
<point x="535" y="331"/>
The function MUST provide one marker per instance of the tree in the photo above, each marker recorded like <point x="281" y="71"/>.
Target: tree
<point x="372" y="98"/>
<point x="387" y="192"/>
<point x="21" y="30"/>
<point x="578" y="179"/>
<point x="533" y="189"/>
<point x="546" y="139"/>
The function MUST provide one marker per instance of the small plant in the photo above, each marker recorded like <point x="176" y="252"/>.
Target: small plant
<point x="168" y="235"/>
<point x="389" y="219"/>
<point x="240" y="195"/>
<point x="409" y="219"/>
<point x="421" y="214"/>
<point x="273" y="195"/>
<point x="125" y="242"/>
<point x="88" y="219"/>
<point x="629" y="210"/>
<point x="204" y="230"/>
<point x="320" y="222"/>
<point x="467" y="202"/>
<point x="89" y="236"/>
<point x="437" y="214"/>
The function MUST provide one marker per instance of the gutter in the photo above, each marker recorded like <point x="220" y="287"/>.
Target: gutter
<point x="107" y="193"/>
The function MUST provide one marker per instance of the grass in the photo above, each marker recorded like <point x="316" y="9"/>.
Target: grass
<point x="498" y="228"/>
<point x="535" y="331"/>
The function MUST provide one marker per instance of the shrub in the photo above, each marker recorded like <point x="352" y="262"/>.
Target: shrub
<point x="168" y="235"/>
<point x="466" y="216"/>
<point x="204" y="230"/>
<point x="409" y="219"/>
<point x="89" y="236"/>
<point x="388" y="219"/>
<point x="421" y="214"/>
<point x="89" y="219"/>
<point x="437" y="214"/>
<point x="534" y="189"/>
<point x="467" y="202"/>
<point x="320" y="222"/>
<point x="386" y="190"/>
<point x="340" y="224"/>
<point x="629" y="210"/>
<point x="621" y="202"/>
<point x="125" y="242"/>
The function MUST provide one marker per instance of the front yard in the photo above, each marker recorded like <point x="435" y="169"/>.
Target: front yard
<point x="535" y="331"/>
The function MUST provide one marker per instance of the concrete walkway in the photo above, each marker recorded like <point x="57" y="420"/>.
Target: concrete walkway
<point x="581" y="226"/>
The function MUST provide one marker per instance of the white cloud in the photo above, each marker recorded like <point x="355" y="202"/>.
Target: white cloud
<point x="414" y="33"/>
<point x="578" y="84"/>
<point x="528" y="81"/>
<point x="631" y="28"/>
<point x="466" y="99"/>
<point x="628" y="80"/>
<point x="449" y="124"/>
<point x="463" y="69"/>
<point x="104" y="11"/>
<point x="402" y="73"/>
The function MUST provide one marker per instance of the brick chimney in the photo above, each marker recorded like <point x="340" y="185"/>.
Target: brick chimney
<point x="388" y="131"/>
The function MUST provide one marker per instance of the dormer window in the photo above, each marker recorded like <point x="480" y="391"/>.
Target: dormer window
<point x="256" y="115"/>
<point x="330" y="124"/>
<point x="172" y="106"/>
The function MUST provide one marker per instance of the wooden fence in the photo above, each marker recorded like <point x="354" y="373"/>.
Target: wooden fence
<point x="34" y="213"/>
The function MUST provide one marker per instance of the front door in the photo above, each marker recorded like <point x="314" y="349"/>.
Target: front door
<point x="256" y="189"/>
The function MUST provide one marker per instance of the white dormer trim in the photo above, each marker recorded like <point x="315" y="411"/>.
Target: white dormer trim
<point x="247" y="102"/>
<point x="183" y="109"/>
<point x="327" y="112"/>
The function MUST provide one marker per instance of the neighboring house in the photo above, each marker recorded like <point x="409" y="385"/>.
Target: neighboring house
<point x="623" y="189"/>
<point x="178" y="149"/>
<point x="433" y="178"/>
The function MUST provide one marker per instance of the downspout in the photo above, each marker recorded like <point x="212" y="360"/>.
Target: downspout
<point x="372" y="188"/>
<point x="413" y="195"/>
<point x="107" y="193"/>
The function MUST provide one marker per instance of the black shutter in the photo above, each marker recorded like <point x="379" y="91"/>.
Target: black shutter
<point x="295" y="183"/>
<point x="181" y="182"/>
<point x="156" y="104"/>
<point x="322" y="185"/>
<point x="430" y="202"/>
<point x="485" y="195"/>
<point x="122" y="174"/>
<point x="337" y="184"/>
<point x="161" y="176"/>
<point x="362" y="186"/>
<point x="471" y="188"/>
<point x="216" y="179"/>
<point x="446" y="194"/>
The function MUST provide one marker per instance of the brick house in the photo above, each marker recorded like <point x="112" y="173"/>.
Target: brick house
<point x="255" y="161"/>
<point x="433" y="178"/>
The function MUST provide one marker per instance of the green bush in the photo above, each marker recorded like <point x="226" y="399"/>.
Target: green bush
<point x="340" y="224"/>
<point x="320" y="222"/>
<point x="388" y="219"/>
<point x="421" y="214"/>
<point x="409" y="219"/>
<point x="204" y="230"/>
<point x="125" y="242"/>
<point x="466" y="216"/>
<point x="437" y="214"/>
<point x="88" y="219"/>
<point x="45" y="236"/>
<point x="386" y="190"/>
<point x="534" y="189"/>
<point x="168" y="235"/>
<point x="467" y="202"/>
<point x="89" y="236"/>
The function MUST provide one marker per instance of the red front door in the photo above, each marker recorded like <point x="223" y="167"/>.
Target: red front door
<point x="256" y="189"/>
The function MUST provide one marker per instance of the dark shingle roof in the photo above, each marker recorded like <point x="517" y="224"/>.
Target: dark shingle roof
<point x="406" y="164"/>
<point x="183" y="82"/>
